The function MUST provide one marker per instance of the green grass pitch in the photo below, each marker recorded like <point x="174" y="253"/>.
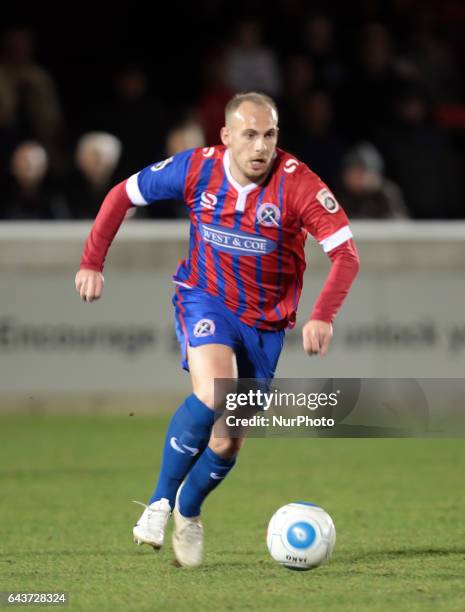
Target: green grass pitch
<point x="66" y="520"/>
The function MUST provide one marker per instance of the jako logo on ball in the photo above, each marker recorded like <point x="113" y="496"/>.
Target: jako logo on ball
<point x="301" y="536"/>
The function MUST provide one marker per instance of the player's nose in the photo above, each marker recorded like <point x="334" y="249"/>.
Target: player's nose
<point x="260" y="144"/>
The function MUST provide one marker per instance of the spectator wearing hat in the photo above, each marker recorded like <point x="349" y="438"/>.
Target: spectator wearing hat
<point x="364" y="191"/>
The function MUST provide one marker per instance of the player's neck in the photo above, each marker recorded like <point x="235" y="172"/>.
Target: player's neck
<point x="240" y="177"/>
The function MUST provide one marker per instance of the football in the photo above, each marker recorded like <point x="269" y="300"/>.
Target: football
<point x="301" y="536"/>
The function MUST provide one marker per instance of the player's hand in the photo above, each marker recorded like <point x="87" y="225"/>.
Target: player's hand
<point x="89" y="284"/>
<point x="316" y="337"/>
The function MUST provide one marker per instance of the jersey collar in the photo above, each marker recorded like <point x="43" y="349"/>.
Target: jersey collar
<point x="241" y="189"/>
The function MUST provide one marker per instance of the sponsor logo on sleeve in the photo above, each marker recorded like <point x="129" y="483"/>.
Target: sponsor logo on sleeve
<point x="161" y="165"/>
<point x="327" y="200"/>
<point x="268" y="215"/>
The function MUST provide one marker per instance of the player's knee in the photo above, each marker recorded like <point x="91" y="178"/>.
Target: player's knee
<point x="213" y="396"/>
<point x="226" y="447"/>
<point x="209" y="398"/>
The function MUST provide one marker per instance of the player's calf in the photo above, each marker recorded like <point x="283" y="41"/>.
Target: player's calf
<point x="187" y="436"/>
<point x="224" y="447"/>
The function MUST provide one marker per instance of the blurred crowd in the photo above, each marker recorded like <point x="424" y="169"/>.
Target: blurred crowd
<point x="373" y="103"/>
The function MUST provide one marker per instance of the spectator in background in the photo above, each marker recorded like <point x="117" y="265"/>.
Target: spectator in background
<point x="299" y="79"/>
<point x="187" y="135"/>
<point x="96" y="159"/>
<point x="374" y="82"/>
<point x="421" y="159"/>
<point x="28" y="193"/>
<point x="316" y="143"/>
<point x="249" y="65"/>
<point x="434" y="63"/>
<point x="362" y="189"/>
<point x="29" y="104"/>
<point x="213" y="99"/>
<point x="319" y="46"/>
<point x="134" y="116"/>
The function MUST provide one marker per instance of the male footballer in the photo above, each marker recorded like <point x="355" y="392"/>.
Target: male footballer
<point x="251" y="206"/>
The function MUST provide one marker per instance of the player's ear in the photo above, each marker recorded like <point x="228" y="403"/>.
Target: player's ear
<point x="224" y="133"/>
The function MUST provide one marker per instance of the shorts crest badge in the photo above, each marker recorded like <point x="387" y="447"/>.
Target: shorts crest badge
<point x="203" y="328"/>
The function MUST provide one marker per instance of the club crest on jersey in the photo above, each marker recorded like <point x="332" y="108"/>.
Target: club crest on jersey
<point x="208" y="200"/>
<point x="327" y="200"/>
<point x="161" y="165"/>
<point x="268" y="215"/>
<point x="290" y="165"/>
<point x="203" y="328"/>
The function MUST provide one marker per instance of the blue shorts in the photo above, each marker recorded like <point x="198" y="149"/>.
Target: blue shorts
<point x="204" y="319"/>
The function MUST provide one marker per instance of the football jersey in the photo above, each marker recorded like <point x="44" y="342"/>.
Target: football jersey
<point x="246" y="243"/>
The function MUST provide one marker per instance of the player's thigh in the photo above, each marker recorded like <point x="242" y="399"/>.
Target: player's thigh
<point x="207" y="362"/>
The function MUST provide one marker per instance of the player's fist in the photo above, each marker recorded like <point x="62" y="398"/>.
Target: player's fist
<point x="89" y="284"/>
<point x="316" y="337"/>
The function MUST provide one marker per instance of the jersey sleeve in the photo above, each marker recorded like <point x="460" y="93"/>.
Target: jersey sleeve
<point x="319" y="212"/>
<point x="344" y="268"/>
<point x="164" y="180"/>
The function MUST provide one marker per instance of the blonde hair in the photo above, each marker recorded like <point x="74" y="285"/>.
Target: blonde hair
<point x="258" y="98"/>
<point x="108" y="145"/>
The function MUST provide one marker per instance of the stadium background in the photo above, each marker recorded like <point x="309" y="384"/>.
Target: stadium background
<point x="372" y="98"/>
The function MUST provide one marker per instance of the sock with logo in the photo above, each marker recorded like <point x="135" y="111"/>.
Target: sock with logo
<point x="205" y="476"/>
<point x="187" y="436"/>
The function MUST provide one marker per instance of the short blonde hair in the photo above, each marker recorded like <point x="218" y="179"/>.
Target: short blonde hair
<point x="108" y="145"/>
<point x="258" y="98"/>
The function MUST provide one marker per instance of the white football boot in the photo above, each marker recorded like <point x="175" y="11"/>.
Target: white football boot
<point x="187" y="539"/>
<point x="150" y="528"/>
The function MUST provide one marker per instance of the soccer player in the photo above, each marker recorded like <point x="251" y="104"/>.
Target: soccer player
<point x="251" y="206"/>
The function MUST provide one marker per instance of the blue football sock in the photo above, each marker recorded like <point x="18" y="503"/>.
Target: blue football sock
<point x="205" y="476"/>
<point x="187" y="436"/>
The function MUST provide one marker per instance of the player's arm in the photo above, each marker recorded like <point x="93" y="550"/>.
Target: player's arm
<point x="323" y="217"/>
<point x="318" y="331"/>
<point x="157" y="182"/>
<point x="89" y="278"/>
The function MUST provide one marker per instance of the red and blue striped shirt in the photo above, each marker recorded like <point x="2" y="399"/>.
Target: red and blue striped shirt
<point x="246" y="244"/>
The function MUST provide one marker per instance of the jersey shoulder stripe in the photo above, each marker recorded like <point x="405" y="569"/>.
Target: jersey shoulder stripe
<point x="163" y="180"/>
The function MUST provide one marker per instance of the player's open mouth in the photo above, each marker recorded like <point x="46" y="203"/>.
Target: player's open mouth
<point x="257" y="164"/>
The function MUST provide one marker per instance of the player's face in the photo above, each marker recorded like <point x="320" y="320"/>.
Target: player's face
<point x="251" y="135"/>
